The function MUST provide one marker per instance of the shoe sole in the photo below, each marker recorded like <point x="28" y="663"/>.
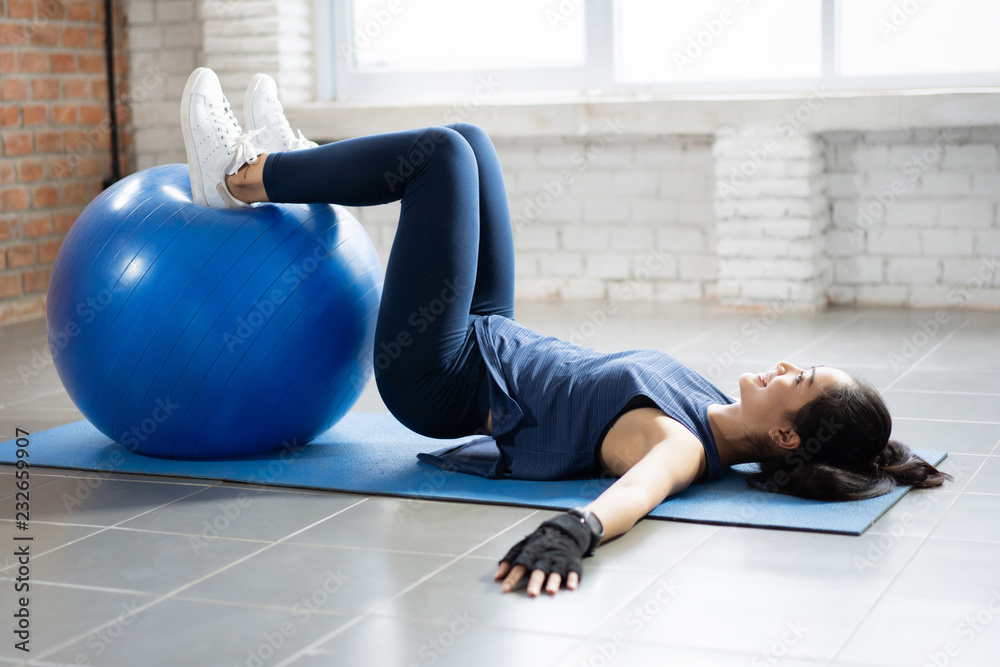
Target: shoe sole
<point x="197" y="184"/>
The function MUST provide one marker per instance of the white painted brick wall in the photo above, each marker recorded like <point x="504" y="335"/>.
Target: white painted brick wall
<point x="164" y="43"/>
<point x="931" y="234"/>
<point x="602" y="233"/>
<point x="771" y="215"/>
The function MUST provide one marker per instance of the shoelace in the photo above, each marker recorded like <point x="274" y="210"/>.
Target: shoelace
<point x="243" y="147"/>
<point x="235" y="142"/>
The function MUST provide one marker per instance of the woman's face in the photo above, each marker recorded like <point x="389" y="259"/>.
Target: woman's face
<point x="767" y="397"/>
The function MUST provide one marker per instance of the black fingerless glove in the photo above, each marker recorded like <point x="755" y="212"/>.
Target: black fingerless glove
<point x="558" y="545"/>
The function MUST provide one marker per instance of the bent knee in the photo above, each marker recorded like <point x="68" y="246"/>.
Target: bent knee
<point x="470" y="131"/>
<point x="442" y="145"/>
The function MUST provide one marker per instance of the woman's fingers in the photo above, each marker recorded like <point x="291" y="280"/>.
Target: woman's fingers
<point x="535" y="583"/>
<point x="515" y="576"/>
<point x="512" y="575"/>
<point x="555" y="580"/>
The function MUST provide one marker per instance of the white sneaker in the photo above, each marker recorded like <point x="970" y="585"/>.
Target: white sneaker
<point x="215" y="144"/>
<point x="263" y="112"/>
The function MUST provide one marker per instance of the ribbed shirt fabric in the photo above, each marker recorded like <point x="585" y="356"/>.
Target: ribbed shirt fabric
<point x="552" y="401"/>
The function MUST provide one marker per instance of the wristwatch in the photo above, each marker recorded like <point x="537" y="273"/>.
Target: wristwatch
<point x="590" y="520"/>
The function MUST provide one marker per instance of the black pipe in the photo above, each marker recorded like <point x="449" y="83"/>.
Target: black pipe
<point x="109" y="48"/>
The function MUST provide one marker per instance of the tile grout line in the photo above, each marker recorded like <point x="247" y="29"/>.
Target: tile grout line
<point x="883" y="592"/>
<point x="617" y="610"/>
<point x="829" y="333"/>
<point x="697" y="338"/>
<point x="916" y="551"/>
<point x="929" y="352"/>
<point x="61" y="390"/>
<point x="166" y="596"/>
<point x="943" y="421"/>
<point x="372" y="611"/>
<point x="950" y="393"/>
<point x="102" y="528"/>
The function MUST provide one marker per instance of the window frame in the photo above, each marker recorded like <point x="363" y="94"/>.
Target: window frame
<point x="336" y="79"/>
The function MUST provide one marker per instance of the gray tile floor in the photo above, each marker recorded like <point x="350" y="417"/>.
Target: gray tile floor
<point x="128" y="569"/>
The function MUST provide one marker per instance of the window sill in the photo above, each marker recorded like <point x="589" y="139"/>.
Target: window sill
<point x="541" y="117"/>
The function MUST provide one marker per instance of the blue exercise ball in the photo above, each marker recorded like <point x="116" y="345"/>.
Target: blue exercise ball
<point x="189" y="332"/>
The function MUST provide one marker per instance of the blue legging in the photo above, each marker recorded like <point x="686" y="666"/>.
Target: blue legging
<point x="452" y="259"/>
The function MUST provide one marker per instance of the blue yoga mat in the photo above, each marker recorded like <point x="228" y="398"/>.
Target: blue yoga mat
<point x="375" y="454"/>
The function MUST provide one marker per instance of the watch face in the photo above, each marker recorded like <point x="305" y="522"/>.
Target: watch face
<point x="591" y="520"/>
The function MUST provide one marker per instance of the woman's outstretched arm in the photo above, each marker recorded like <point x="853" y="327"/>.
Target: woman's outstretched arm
<point x="670" y="466"/>
<point x="673" y="460"/>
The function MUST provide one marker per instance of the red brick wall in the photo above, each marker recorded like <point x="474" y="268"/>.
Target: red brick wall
<point x="56" y="139"/>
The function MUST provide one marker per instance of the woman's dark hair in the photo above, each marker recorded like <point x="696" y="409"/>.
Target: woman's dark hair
<point x="845" y="451"/>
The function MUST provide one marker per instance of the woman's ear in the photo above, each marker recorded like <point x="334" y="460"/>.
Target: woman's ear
<point x="784" y="438"/>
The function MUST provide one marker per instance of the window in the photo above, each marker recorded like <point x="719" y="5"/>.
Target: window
<point x="719" y="40"/>
<point x="892" y="37"/>
<point x="424" y="50"/>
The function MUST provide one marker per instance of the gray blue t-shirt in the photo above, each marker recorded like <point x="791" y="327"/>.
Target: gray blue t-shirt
<point x="553" y="401"/>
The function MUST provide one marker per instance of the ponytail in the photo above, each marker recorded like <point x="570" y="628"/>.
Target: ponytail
<point x="899" y="463"/>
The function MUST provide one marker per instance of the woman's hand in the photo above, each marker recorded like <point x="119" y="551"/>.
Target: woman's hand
<point x="515" y="574"/>
<point x="553" y="554"/>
